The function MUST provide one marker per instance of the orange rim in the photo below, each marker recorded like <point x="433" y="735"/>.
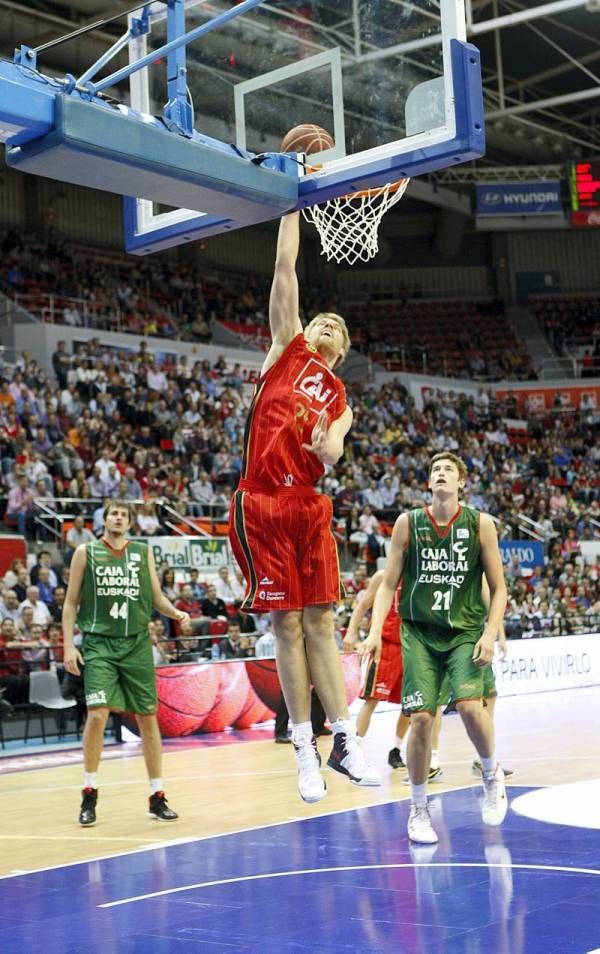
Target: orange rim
<point x="390" y="187"/>
<point x="375" y="193"/>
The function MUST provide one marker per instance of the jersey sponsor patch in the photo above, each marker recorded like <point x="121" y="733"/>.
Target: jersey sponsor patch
<point x="271" y="597"/>
<point x="266" y="581"/>
<point x="97" y="698"/>
<point x="462" y="533"/>
<point x="315" y="382"/>
<point x="414" y="701"/>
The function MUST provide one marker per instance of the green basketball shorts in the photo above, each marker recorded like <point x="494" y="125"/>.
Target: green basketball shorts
<point x="489" y="687"/>
<point x="119" y="673"/>
<point x="425" y="670"/>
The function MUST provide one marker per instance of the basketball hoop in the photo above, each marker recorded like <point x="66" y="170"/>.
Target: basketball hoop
<point x="349" y="225"/>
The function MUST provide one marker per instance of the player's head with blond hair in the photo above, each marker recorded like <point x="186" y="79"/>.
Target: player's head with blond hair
<point x="329" y="331"/>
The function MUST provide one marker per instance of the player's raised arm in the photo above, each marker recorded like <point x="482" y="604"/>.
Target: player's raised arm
<point x="389" y="584"/>
<point x="72" y="657"/>
<point x="364" y="602"/>
<point x="284" y="318"/>
<point x="483" y="653"/>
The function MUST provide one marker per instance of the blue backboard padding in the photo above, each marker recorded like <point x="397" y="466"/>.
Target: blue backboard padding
<point x="468" y="143"/>
<point x="169" y="235"/>
<point x="26" y="104"/>
<point x="110" y="150"/>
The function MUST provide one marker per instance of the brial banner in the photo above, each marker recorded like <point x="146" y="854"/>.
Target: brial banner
<point x="199" y="553"/>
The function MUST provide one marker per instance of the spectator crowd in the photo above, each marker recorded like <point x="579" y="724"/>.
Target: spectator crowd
<point x="138" y="426"/>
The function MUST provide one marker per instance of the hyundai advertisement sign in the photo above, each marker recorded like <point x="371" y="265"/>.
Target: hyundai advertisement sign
<point x="518" y="198"/>
<point x="527" y="553"/>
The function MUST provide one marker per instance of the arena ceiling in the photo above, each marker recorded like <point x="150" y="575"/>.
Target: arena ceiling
<point x="541" y="63"/>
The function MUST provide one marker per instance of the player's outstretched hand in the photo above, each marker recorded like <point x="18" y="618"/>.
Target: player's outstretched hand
<point x="483" y="651"/>
<point x="372" y="644"/>
<point x="73" y="660"/>
<point x="318" y="437"/>
<point x="182" y="618"/>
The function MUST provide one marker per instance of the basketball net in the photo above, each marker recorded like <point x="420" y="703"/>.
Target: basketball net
<point x="349" y="225"/>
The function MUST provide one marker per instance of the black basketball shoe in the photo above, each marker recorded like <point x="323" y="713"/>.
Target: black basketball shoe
<point x="347" y="758"/>
<point x="158" y="808"/>
<point x="87" y="815"/>
<point x="395" y="760"/>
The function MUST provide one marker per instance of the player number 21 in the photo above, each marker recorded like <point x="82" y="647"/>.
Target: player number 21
<point x="118" y="611"/>
<point x="441" y="600"/>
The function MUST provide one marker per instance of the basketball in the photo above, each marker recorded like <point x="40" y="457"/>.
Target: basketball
<point x="231" y="697"/>
<point x="254" y="711"/>
<point x="186" y="694"/>
<point x="307" y="138"/>
<point x="265" y="681"/>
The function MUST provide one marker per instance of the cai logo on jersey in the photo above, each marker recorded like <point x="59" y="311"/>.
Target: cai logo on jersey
<point x="118" y="580"/>
<point x="315" y="383"/>
<point x="413" y="701"/>
<point x="440" y="567"/>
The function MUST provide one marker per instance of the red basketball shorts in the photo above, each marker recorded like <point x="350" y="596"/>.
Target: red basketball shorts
<point x="285" y="549"/>
<point x="383" y="681"/>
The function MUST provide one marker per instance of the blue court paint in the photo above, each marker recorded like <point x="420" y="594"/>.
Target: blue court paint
<point x="346" y="882"/>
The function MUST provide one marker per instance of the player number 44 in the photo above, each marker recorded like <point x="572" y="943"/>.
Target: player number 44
<point x="118" y="611"/>
<point x="441" y="600"/>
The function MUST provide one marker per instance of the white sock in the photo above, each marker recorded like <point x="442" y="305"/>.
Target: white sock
<point x="156" y="785"/>
<point x="302" y="733"/>
<point x="488" y="765"/>
<point x="435" y="759"/>
<point x="418" y="794"/>
<point x="342" y="725"/>
<point x="90" y="780"/>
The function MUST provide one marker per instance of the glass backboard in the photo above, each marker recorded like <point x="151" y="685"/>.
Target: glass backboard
<point x="393" y="81"/>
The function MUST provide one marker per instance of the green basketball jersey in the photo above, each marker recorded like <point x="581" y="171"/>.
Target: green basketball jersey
<point x="116" y="595"/>
<point x="441" y="578"/>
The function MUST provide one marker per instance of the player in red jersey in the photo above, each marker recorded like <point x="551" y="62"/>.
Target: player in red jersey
<point x="280" y="527"/>
<point x="382" y="681"/>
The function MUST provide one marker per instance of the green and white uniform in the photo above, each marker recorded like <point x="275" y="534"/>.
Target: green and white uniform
<point x="442" y="609"/>
<point x="114" y="610"/>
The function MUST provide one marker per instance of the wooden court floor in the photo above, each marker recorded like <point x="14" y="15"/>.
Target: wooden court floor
<point x="549" y="738"/>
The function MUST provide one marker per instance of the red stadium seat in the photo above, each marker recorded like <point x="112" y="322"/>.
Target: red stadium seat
<point x="217" y="627"/>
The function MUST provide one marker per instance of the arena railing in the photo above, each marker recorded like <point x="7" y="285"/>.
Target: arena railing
<point x="52" y="513"/>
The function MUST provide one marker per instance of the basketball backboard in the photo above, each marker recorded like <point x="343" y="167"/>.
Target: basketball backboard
<point x="214" y="87"/>
<point x="393" y="80"/>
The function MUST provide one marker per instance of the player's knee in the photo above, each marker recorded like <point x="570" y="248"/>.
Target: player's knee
<point x="470" y="710"/>
<point x="288" y="629"/>
<point x="421" y="722"/>
<point x="97" y="718"/>
<point x="147" y="722"/>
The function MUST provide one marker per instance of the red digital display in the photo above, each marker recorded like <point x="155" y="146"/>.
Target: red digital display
<point x="585" y="193"/>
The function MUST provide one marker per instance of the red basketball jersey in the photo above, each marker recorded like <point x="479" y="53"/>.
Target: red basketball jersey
<point x="287" y="401"/>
